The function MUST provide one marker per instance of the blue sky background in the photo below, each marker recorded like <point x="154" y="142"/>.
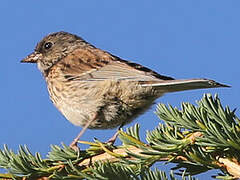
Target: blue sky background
<point x="182" y="39"/>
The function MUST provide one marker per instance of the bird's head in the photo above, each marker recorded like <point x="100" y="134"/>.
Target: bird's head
<point x="53" y="48"/>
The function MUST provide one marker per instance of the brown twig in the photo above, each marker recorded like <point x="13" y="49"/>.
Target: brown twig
<point x="231" y="165"/>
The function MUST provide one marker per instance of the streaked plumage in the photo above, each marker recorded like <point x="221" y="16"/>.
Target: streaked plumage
<point x="88" y="84"/>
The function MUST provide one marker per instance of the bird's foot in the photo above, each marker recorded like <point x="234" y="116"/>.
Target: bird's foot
<point x="74" y="145"/>
<point x="112" y="140"/>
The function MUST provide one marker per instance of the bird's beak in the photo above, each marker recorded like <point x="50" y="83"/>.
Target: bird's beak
<point x="32" y="58"/>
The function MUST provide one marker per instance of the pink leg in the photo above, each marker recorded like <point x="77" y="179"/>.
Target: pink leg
<point x="114" y="137"/>
<point x="73" y="145"/>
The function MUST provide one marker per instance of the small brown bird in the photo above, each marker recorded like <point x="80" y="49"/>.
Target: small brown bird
<point x="95" y="89"/>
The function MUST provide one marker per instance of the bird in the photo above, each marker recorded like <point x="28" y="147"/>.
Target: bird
<point x="95" y="89"/>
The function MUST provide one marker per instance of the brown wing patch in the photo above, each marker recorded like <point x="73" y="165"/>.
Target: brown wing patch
<point x="81" y="61"/>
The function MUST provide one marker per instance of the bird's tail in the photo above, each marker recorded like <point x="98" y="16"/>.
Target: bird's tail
<point x="182" y="84"/>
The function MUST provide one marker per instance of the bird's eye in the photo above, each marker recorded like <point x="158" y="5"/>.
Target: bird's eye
<point x="48" y="45"/>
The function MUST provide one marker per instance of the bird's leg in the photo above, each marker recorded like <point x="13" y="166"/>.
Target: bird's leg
<point x="73" y="145"/>
<point x="114" y="137"/>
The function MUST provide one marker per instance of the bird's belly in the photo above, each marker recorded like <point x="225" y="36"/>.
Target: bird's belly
<point x="108" y="117"/>
<point x="112" y="103"/>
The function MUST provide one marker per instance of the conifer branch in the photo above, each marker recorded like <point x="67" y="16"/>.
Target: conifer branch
<point x="196" y="138"/>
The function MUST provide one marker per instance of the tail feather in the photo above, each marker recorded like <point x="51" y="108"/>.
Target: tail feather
<point x="183" y="84"/>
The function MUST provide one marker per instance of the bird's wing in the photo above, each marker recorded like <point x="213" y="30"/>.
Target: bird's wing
<point x="92" y="67"/>
<point x="123" y="70"/>
<point x="88" y="66"/>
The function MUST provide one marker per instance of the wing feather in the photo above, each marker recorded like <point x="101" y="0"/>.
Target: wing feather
<point x="117" y="70"/>
<point x="95" y="65"/>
